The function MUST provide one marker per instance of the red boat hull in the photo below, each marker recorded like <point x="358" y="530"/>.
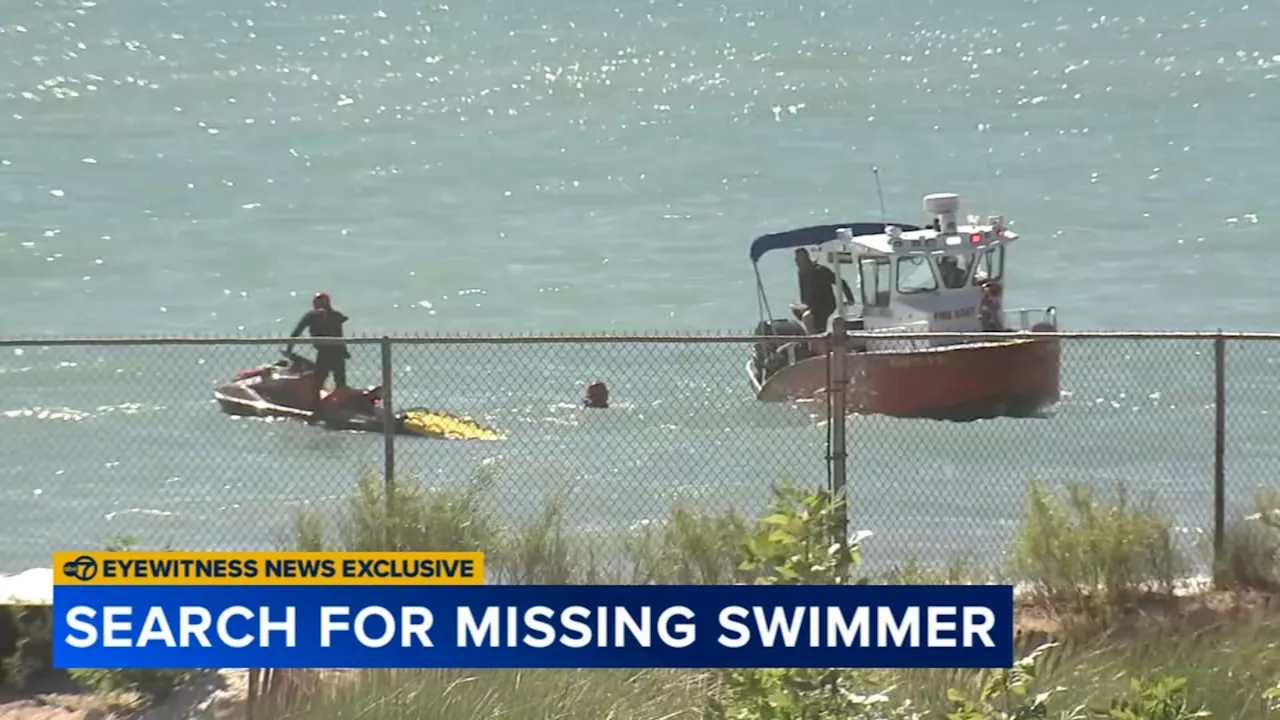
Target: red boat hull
<point x="1015" y="378"/>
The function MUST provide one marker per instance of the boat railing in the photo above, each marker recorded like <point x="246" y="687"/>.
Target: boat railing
<point x="1015" y="319"/>
<point x="1026" y="319"/>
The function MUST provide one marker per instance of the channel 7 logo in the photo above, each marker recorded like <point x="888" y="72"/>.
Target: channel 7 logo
<point x="83" y="568"/>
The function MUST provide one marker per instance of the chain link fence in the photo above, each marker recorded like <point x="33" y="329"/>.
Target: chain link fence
<point x="101" y="440"/>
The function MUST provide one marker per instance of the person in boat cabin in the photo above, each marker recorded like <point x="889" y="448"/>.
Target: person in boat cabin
<point x="817" y="293"/>
<point x="953" y="275"/>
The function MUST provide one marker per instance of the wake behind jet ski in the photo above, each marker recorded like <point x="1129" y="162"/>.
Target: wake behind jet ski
<point x="281" y="389"/>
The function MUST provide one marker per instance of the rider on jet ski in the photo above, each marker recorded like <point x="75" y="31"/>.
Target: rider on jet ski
<point x="323" y="321"/>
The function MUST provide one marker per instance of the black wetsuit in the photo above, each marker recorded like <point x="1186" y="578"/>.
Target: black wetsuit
<point x="817" y="292"/>
<point x="329" y="358"/>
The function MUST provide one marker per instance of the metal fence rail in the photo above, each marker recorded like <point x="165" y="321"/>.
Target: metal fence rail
<point x="102" y="438"/>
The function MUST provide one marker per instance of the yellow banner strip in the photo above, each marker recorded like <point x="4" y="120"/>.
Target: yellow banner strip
<point x="268" y="568"/>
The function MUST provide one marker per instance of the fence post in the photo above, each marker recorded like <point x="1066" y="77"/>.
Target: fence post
<point x="836" y="392"/>
<point x="388" y="436"/>
<point x="1219" y="457"/>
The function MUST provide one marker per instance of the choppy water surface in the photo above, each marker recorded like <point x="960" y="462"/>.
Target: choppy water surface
<point x="185" y="167"/>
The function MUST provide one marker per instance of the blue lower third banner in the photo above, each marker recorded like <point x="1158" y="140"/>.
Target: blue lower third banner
<point x="508" y="626"/>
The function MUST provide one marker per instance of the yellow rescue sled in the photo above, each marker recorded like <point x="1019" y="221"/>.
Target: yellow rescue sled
<point x="445" y="426"/>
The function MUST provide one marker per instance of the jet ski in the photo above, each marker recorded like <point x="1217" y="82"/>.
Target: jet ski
<point x="280" y="389"/>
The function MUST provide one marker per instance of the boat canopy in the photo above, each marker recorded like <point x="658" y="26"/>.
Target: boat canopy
<point x="817" y="235"/>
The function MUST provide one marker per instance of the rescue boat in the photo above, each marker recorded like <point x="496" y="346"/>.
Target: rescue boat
<point x="942" y="277"/>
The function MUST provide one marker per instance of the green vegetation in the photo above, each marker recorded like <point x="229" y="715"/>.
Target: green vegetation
<point x="1091" y="554"/>
<point x="26" y="643"/>
<point x="1103" y="634"/>
<point x="26" y="657"/>
<point x="1253" y="547"/>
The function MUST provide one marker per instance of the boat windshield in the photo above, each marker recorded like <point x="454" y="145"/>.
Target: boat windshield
<point x="990" y="265"/>
<point x="915" y="275"/>
<point x="955" y="270"/>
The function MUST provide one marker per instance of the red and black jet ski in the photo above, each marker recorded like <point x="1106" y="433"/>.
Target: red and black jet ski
<point x="281" y="389"/>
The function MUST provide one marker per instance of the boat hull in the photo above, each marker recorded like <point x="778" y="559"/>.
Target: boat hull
<point x="971" y="381"/>
<point x="236" y="400"/>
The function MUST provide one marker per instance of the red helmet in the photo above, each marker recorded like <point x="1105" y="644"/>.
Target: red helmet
<point x="320" y="301"/>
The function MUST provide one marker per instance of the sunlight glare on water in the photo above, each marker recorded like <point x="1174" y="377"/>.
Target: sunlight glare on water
<point x="494" y="167"/>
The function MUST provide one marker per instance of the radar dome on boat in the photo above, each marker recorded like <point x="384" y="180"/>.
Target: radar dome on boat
<point x="941" y="203"/>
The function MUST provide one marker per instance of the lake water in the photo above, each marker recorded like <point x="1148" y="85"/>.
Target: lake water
<point x="184" y="168"/>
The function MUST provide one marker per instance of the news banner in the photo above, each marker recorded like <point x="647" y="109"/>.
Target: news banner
<point x="434" y="610"/>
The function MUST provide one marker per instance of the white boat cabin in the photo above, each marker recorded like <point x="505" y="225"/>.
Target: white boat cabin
<point x="927" y="280"/>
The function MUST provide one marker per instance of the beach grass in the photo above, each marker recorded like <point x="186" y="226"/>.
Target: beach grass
<point x="1106" y="627"/>
<point x="1104" y="630"/>
<point x="1224" y="669"/>
<point x="496" y="694"/>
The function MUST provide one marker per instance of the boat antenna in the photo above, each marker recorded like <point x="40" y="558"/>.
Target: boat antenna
<point x="991" y="171"/>
<point x="884" y="217"/>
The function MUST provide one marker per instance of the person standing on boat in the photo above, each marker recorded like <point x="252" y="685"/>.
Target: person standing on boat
<point x="989" y="309"/>
<point x="817" y="293"/>
<point x="323" y="321"/>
